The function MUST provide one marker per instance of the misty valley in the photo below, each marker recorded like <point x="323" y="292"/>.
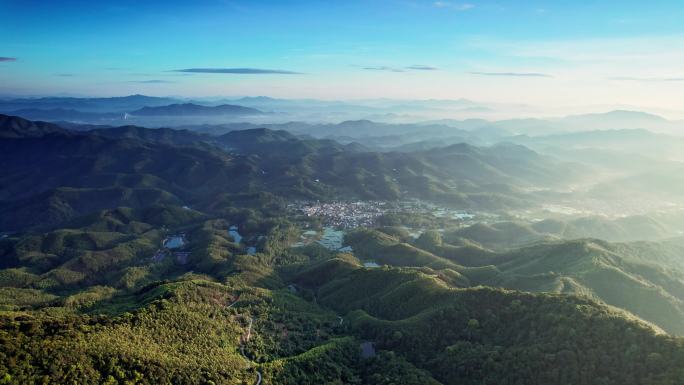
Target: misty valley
<point x="357" y="192"/>
<point x="361" y="252"/>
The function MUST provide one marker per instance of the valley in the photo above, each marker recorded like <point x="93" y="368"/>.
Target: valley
<point x="386" y="192"/>
<point x="138" y="255"/>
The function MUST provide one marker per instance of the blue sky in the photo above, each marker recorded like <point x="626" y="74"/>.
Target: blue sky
<point x="543" y="52"/>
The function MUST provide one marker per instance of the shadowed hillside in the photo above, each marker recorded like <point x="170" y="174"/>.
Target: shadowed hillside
<point x="137" y="167"/>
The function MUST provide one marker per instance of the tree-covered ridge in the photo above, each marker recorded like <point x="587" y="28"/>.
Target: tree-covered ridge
<point x="305" y="310"/>
<point x="127" y="315"/>
<point x="192" y="330"/>
<point x="52" y="175"/>
<point x="494" y="336"/>
<point x="620" y="274"/>
<point x="189" y="331"/>
<point x="141" y="269"/>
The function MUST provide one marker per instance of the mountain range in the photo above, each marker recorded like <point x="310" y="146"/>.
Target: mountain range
<point x="619" y="274"/>
<point x="421" y="112"/>
<point x="161" y="255"/>
<point x="52" y="171"/>
<point x="190" y="109"/>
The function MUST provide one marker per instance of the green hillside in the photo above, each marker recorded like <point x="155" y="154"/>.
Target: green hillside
<point x="132" y="256"/>
<point x="611" y="273"/>
<point x="486" y="335"/>
<point x="67" y="174"/>
<point x="624" y="275"/>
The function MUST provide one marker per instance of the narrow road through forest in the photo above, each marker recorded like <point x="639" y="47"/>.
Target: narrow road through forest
<point x="245" y="339"/>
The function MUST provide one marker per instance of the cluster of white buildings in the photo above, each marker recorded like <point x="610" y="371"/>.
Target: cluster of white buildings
<point x="344" y="215"/>
<point x="353" y="214"/>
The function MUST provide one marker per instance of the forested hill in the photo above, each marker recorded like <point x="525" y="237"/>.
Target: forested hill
<point x="641" y="277"/>
<point x="14" y="127"/>
<point x="161" y="256"/>
<point x="190" y="109"/>
<point x="53" y="178"/>
<point x="151" y="321"/>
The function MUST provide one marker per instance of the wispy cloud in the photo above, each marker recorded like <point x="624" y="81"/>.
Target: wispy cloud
<point x="415" y="67"/>
<point x="613" y="53"/>
<point x="453" y="6"/>
<point x="513" y="74"/>
<point x="5" y="59"/>
<point x="243" y="71"/>
<point x="638" y="79"/>
<point x="151" y="81"/>
<point x="64" y="75"/>
<point x="419" y="67"/>
<point x="383" y="68"/>
<point x="634" y="61"/>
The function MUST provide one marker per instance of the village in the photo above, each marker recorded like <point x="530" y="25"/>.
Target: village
<point x="339" y="217"/>
<point x="347" y="215"/>
<point x="326" y="224"/>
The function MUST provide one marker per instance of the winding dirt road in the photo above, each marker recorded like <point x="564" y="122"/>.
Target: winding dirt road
<point x="245" y="339"/>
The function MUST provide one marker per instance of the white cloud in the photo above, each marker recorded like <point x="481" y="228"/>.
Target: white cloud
<point x="629" y="58"/>
<point x="641" y="49"/>
<point x="453" y="6"/>
<point x="643" y="70"/>
<point x="512" y="74"/>
<point x="637" y="79"/>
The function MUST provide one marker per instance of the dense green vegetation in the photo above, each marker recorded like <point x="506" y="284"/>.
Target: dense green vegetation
<point x="620" y="274"/>
<point x="426" y="326"/>
<point x="91" y="293"/>
<point x="484" y="335"/>
<point x="51" y="175"/>
<point x="501" y="235"/>
<point x="162" y="325"/>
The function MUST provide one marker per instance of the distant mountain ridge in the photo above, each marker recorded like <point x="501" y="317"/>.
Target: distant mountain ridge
<point x="156" y="135"/>
<point x="64" y="114"/>
<point x="190" y="109"/>
<point x="137" y="167"/>
<point x="16" y="127"/>
<point x="113" y="104"/>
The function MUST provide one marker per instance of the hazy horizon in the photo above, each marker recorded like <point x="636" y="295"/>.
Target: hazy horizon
<point x="386" y="192"/>
<point x="488" y="110"/>
<point x="612" y="53"/>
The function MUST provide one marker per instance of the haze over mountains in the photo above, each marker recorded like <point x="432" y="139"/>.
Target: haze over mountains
<point x="354" y="192"/>
<point x="619" y="146"/>
<point x="189" y="109"/>
<point x="618" y="152"/>
<point x="461" y="112"/>
<point x="241" y="239"/>
<point x="44" y="163"/>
